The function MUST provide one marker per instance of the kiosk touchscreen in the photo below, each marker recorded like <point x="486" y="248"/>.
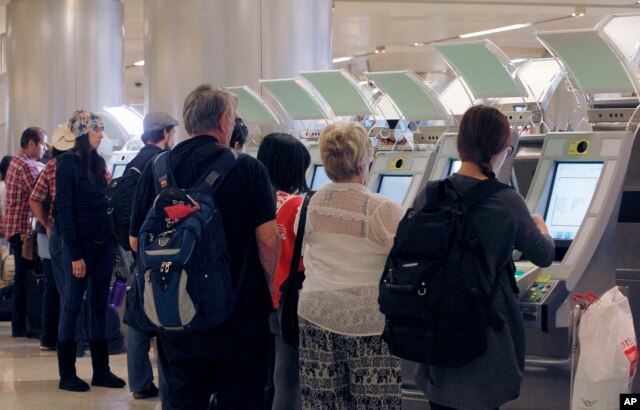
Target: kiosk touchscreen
<point x="394" y="186"/>
<point x="118" y="170"/>
<point x="572" y="188"/>
<point x="399" y="175"/>
<point x="454" y="166"/>
<point x="319" y="177"/>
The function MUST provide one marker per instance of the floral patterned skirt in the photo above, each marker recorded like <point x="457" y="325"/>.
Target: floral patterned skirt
<point x="347" y="372"/>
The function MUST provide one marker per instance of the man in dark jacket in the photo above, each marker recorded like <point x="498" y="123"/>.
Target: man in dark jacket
<point x="230" y="359"/>
<point x="159" y="129"/>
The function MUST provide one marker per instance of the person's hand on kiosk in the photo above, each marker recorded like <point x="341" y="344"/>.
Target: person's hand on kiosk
<point x="78" y="268"/>
<point x="540" y="223"/>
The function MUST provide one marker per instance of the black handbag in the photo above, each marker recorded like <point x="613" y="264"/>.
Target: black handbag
<point x="288" y="306"/>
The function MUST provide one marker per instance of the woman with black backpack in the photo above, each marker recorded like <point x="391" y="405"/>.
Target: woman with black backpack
<point x="501" y="222"/>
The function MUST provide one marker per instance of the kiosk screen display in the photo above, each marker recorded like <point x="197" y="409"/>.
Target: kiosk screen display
<point x="319" y="178"/>
<point x="118" y="170"/>
<point x="454" y="166"/>
<point x="572" y="188"/>
<point x="394" y="186"/>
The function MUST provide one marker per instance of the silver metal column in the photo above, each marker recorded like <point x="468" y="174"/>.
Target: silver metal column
<point x="296" y="36"/>
<point x="62" y="55"/>
<point x="227" y="43"/>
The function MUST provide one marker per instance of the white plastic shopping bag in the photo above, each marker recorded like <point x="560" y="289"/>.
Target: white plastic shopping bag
<point x="608" y="353"/>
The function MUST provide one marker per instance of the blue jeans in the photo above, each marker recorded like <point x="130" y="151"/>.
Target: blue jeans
<point x="50" y="306"/>
<point x="138" y="363"/>
<point x="99" y="260"/>
<point x="59" y="275"/>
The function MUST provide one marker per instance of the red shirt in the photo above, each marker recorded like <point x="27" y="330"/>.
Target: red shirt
<point x="46" y="185"/>
<point x="287" y="209"/>
<point x="21" y="178"/>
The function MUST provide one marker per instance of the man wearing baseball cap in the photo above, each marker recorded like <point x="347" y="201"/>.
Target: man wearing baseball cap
<point x="41" y="203"/>
<point x="158" y="134"/>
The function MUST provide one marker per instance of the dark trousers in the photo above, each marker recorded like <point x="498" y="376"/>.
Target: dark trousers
<point x="225" y="361"/>
<point x="99" y="261"/>
<point x="50" y="306"/>
<point x="19" y="293"/>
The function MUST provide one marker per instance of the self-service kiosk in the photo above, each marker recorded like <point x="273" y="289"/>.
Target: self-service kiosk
<point x="577" y="188"/>
<point x="398" y="174"/>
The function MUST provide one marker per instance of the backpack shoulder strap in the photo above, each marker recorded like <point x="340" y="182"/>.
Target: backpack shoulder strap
<point x="437" y="192"/>
<point x="223" y="163"/>
<point x="162" y="173"/>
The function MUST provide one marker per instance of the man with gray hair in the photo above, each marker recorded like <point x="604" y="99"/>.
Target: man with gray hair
<point x="230" y="359"/>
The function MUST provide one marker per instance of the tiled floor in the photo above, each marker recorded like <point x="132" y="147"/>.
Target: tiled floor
<point x="29" y="380"/>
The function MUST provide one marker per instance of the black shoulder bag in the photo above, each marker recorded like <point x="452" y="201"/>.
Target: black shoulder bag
<point x="288" y="306"/>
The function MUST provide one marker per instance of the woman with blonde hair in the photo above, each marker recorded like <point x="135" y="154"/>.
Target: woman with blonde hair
<point x="344" y="363"/>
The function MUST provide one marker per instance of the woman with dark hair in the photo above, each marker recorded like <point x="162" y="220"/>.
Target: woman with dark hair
<point x="239" y="135"/>
<point x="87" y="249"/>
<point x="494" y="378"/>
<point x="286" y="160"/>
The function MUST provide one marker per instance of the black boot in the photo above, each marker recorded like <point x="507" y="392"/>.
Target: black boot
<point x="67" y="368"/>
<point x="102" y="375"/>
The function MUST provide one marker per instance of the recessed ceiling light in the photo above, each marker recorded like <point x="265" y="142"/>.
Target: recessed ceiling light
<point x="495" y="30"/>
<point x="418" y="44"/>
<point x="342" y="59"/>
<point x="139" y="63"/>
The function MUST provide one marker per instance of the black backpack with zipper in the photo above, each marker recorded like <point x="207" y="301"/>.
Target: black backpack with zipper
<point x="120" y="195"/>
<point x="436" y="292"/>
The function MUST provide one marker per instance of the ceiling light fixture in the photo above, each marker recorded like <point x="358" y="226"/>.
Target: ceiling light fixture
<point x="139" y="63"/>
<point x="579" y="12"/>
<point x="342" y="59"/>
<point x="495" y="30"/>
<point x="418" y="44"/>
<point x="380" y="50"/>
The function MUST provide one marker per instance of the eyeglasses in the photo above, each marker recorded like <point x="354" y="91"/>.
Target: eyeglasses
<point x="510" y="150"/>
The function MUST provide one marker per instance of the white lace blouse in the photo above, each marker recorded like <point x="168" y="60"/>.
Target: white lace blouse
<point x="348" y="235"/>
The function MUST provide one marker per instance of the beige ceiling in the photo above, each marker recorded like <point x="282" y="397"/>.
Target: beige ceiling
<point x="359" y="26"/>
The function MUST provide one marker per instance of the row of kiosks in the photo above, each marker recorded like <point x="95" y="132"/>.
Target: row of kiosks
<point x="577" y="188"/>
<point x="400" y="173"/>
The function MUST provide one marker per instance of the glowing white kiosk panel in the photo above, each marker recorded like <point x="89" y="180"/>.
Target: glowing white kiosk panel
<point x="301" y="102"/>
<point x="484" y="68"/>
<point x="298" y="99"/>
<point x="593" y="60"/>
<point x="342" y="92"/>
<point x="411" y="94"/>
<point x="123" y="128"/>
<point x="254" y="111"/>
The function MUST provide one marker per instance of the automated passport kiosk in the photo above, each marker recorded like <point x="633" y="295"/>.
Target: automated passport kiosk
<point x="576" y="188"/>
<point x="398" y="175"/>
